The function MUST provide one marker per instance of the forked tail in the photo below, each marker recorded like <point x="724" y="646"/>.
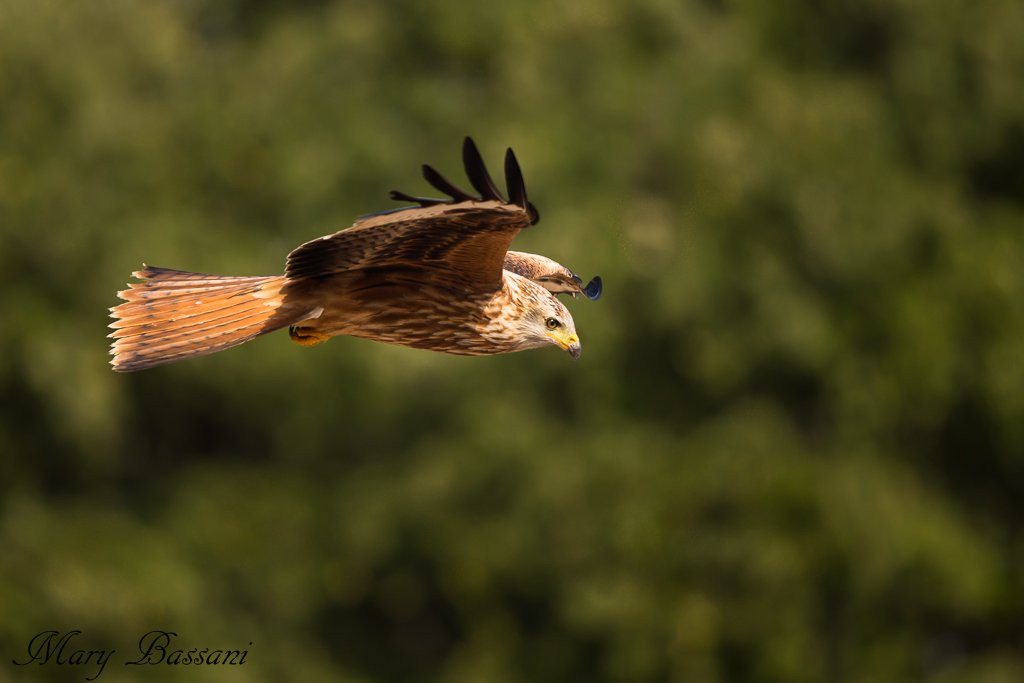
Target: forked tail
<point x="171" y="315"/>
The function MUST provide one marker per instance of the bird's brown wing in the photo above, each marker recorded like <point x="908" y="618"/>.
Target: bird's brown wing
<point x="460" y="242"/>
<point x="551" y="275"/>
<point x="464" y="244"/>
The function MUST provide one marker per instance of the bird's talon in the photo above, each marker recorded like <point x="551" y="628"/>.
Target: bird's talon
<point x="305" y="336"/>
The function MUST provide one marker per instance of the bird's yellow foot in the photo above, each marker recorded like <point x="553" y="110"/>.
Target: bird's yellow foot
<point x="306" y="336"/>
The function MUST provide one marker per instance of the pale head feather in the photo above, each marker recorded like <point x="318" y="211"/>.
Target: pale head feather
<point x="522" y="322"/>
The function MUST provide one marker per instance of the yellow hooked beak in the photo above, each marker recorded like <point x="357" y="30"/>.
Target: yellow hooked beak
<point x="569" y="342"/>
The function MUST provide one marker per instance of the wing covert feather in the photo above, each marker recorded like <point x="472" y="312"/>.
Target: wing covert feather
<point x="463" y="243"/>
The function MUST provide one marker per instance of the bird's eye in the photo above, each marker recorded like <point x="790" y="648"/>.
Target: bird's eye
<point x="551" y="324"/>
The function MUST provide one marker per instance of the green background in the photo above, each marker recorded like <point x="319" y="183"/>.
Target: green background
<point x="793" y="449"/>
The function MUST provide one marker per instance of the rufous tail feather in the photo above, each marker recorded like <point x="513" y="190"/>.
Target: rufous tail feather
<point x="171" y="315"/>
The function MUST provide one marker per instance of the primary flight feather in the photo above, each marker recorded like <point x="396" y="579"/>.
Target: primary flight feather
<point x="436" y="276"/>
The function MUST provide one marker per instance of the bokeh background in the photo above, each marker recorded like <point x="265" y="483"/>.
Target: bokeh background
<point x="793" y="449"/>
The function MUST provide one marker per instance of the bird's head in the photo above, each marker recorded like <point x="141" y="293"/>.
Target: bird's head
<point x="551" y="323"/>
<point x="532" y="317"/>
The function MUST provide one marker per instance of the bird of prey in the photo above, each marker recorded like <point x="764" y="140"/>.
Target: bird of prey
<point x="436" y="276"/>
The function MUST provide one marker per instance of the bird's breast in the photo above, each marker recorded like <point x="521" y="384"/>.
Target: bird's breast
<point x="419" y="315"/>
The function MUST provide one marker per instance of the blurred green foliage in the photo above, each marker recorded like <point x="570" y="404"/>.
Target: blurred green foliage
<point x="793" y="449"/>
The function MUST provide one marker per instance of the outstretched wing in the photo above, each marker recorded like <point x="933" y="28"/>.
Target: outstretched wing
<point x="460" y="241"/>
<point x="551" y="275"/>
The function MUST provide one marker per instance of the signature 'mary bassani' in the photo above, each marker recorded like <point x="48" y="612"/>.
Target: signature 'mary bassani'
<point x="436" y="276"/>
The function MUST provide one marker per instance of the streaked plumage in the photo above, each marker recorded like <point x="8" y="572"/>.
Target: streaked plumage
<point x="436" y="276"/>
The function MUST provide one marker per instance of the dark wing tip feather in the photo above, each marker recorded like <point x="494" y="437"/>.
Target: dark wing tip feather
<point x="481" y="180"/>
<point x="533" y="212"/>
<point x="517" y="186"/>
<point x="476" y="171"/>
<point x="422" y="201"/>
<point x="514" y="179"/>
<point x="443" y="184"/>
<point x="593" y="288"/>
